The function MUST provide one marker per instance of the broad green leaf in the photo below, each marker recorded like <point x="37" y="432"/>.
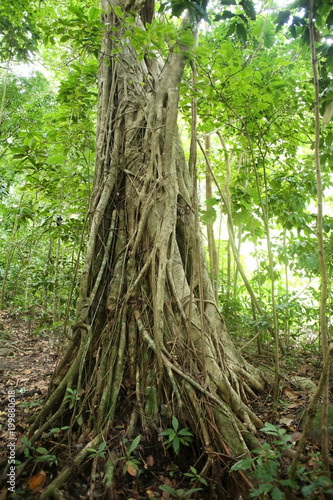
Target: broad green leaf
<point x="241" y="32"/>
<point x="282" y="18"/>
<point x="210" y="202"/>
<point x="176" y="445"/>
<point x="42" y="451"/>
<point x="56" y="159"/>
<point x="134" y="444"/>
<point x="243" y="464"/>
<point x="175" y="423"/>
<point x="167" y="488"/>
<point x="118" y="11"/>
<point x="277" y="494"/>
<point x="249" y="9"/>
<point x="102" y="446"/>
<point x="184" y="432"/>
<point x="270" y="429"/>
<point x="172" y="436"/>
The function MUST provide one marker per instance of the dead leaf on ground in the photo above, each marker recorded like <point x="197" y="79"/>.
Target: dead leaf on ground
<point x="37" y="481"/>
<point x="286" y="421"/>
<point x="131" y="470"/>
<point x="293" y="405"/>
<point x="153" y="494"/>
<point x="295" y="436"/>
<point x="290" y="394"/>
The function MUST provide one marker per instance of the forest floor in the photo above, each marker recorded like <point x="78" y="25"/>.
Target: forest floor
<point x="27" y="361"/>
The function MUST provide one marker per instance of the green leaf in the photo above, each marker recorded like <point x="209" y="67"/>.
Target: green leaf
<point x="209" y="216"/>
<point x="172" y="436"/>
<point x="227" y="14"/>
<point x="184" y="432"/>
<point x="176" y="445"/>
<point x="130" y="463"/>
<point x="282" y="18"/>
<point x="243" y="464"/>
<point x="118" y="11"/>
<point x="312" y="261"/>
<point x="288" y="482"/>
<point x="56" y="159"/>
<point x="134" y="444"/>
<point x="308" y="490"/>
<point x="94" y="14"/>
<point x="249" y="9"/>
<point x="43" y="458"/>
<point x="175" y="423"/>
<point x="270" y="429"/>
<point x="25" y="441"/>
<point x="102" y="446"/>
<point x="54" y="430"/>
<point x="241" y="32"/>
<point x="328" y="113"/>
<point x="277" y="494"/>
<point x="167" y="488"/>
<point x="167" y="432"/>
<point x="186" y="38"/>
<point x="210" y="202"/>
<point x="42" y="451"/>
<point x="329" y="20"/>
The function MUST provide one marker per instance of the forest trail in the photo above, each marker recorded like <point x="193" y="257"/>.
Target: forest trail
<point x="27" y="362"/>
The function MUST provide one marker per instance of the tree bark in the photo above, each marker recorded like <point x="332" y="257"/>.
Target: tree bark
<point x="138" y="352"/>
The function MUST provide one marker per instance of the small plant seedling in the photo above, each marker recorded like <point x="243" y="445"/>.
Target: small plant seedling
<point x="179" y="494"/>
<point x="28" y="448"/>
<point x="30" y="404"/>
<point x="56" y="431"/>
<point x="195" y="476"/>
<point x="98" y="453"/>
<point x="176" y="437"/>
<point x="131" y="464"/>
<point x="172" y="469"/>
<point x="266" y="465"/>
<point x="71" y="396"/>
<point x="44" y="456"/>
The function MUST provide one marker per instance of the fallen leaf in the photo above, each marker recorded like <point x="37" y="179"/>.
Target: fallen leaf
<point x="295" y="436"/>
<point x="286" y="421"/>
<point x="293" y="405"/>
<point x="37" y="481"/>
<point x="290" y="394"/>
<point x="131" y="470"/>
<point x="152" y="494"/>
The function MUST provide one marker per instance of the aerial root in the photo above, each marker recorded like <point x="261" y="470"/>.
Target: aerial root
<point x="52" y="490"/>
<point x="216" y="426"/>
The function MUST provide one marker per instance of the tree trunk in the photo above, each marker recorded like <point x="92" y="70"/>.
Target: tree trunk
<point x="139" y="354"/>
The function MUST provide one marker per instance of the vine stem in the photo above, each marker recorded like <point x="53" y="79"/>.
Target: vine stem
<point x="321" y="252"/>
